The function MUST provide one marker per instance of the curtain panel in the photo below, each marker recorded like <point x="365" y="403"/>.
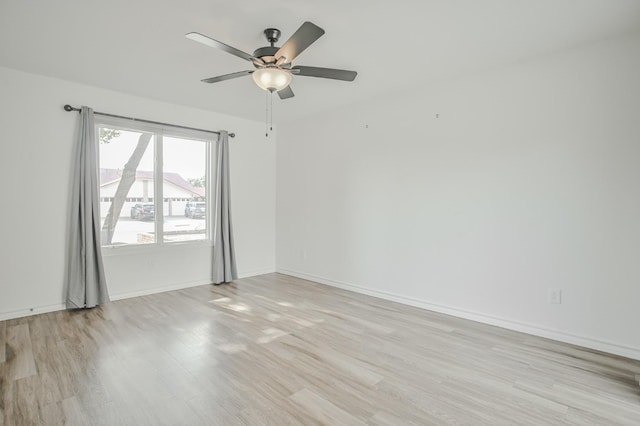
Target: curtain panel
<point x="224" y="258"/>
<point x="84" y="277"/>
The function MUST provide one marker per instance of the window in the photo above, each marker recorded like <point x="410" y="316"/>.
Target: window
<point x="154" y="183"/>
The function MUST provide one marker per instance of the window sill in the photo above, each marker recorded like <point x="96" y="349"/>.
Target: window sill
<point x="136" y="249"/>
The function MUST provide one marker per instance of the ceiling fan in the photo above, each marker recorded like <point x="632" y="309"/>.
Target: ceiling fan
<point x="273" y="64"/>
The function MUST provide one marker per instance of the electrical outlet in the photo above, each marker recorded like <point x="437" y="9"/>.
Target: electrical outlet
<point x="554" y="296"/>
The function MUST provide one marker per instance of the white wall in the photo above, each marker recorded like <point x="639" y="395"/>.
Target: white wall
<point x="36" y="137"/>
<point x="528" y="180"/>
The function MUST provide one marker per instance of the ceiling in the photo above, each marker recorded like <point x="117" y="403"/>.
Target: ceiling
<point x="138" y="46"/>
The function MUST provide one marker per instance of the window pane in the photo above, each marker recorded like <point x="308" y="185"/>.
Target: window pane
<point x="184" y="189"/>
<point x="126" y="187"/>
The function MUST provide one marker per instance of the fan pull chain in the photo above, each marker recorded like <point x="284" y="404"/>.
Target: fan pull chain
<point x="266" y="117"/>
<point x="271" y="121"/>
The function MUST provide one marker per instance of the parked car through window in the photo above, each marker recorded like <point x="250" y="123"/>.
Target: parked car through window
<point x="195" y="209"/>
<point x="145" y="211"/>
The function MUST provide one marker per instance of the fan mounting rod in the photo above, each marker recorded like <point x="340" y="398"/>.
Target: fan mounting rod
<point x="272" y="35"/>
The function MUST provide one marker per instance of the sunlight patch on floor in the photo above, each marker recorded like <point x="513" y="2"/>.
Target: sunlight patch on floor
<point x="271" y="334"/>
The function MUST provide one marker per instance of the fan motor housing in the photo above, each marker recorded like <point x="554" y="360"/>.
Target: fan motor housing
<point x="267" y="54"/>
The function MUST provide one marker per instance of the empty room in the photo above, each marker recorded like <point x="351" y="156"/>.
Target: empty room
<point x="320" y="212"/>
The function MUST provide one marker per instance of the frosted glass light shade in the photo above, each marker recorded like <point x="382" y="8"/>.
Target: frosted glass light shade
<point x="271" y="79"/>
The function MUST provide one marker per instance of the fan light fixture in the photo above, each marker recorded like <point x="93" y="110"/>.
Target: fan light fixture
<point x="271" y="79"/>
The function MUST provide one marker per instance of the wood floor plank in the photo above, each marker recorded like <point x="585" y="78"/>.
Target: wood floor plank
<point x="4" y="395"/>
<point x="68" y="412"/>
<point x="278" y="350"/>
<point x="19" y="353"/>
<point x="352" y="367"/>
<point x="52" y="414"/>
<point x="323" y="410"/>
<point x="3" y="341"/>
<point x="21" y="406"/>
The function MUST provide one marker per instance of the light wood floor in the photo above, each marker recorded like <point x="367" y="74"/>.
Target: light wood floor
<point x="277" y="350"/>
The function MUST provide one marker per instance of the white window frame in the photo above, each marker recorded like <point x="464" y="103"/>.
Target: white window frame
<point x="160" y="131"/>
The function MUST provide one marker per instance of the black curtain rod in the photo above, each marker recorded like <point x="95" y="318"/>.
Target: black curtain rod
<point x="69" y="108"/>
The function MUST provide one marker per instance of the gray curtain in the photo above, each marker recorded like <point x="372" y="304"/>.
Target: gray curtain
<point x="224" y="258"/>
<point x="84" y="277"/>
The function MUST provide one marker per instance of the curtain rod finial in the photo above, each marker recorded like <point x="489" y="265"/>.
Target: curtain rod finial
<point x="68" y="108"/>
<point x="232" y="135"/>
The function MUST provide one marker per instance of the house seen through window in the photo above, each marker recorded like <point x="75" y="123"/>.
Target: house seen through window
<point x="154" y="184"/>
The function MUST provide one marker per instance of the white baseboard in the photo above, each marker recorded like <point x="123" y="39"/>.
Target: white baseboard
<point x="561" y="336"/>
<point x="125" y="295"/>
<point x="181" y="286"/>
<point x="255" y="272"/>
<point x="31" y="311"/>
<point x="146" y="292"/>
<point x="113" y="296"/>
